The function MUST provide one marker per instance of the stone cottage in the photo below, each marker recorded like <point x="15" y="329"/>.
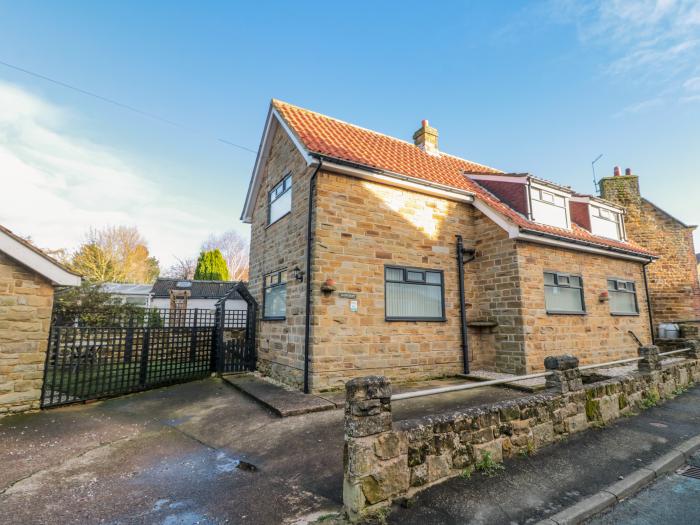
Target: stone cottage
<point x="27" y="281"/>
<point x="373" y="255"/>
<point x="674" y="289"/>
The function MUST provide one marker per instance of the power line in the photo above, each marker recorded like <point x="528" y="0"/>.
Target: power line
<point x="120" y="104"/>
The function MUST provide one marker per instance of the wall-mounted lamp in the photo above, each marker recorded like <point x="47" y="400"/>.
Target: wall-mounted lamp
<point x="298" y="274"/>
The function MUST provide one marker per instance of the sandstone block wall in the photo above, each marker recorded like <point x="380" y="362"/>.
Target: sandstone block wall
<point x="280" y="344"/>
<point x="361" y="227"/>
<point x="673" y="279"/>
<point x="595" y="337"/>
<point x="384" y="462"/>
<point x="26" y="301"/>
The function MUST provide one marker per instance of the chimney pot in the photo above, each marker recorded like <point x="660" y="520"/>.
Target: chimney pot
<point x="628" y="171"/>
<point x="616" y="171"/>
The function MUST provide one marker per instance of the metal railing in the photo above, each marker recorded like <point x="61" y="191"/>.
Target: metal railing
<point x="515" y="379"/>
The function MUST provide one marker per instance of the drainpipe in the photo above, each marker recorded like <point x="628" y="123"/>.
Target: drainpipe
<point x="309" y="230"/>
<point x="646" y="290"/>
<point x="461" y="252"/>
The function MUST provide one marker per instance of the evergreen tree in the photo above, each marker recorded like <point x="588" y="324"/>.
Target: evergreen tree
<point x="211" y="266"/>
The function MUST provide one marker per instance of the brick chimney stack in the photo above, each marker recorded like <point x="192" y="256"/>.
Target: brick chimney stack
<point x="621" y="189"/>
<point x="426" y="138"/>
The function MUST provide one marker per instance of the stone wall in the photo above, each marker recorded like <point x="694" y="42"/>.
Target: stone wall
<point x="26" y="300"/>
<point x="361" y="227"/>
<point x="596" y="337"/>
<point x="385" y="461"/>
<point x="280" y="344"/>
<point x="673" y="278"/>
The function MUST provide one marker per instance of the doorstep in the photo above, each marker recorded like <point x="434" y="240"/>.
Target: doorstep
<point x="281" y="401"/>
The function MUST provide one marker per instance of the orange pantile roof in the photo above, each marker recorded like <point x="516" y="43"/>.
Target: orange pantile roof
<point x="334" y="138"/>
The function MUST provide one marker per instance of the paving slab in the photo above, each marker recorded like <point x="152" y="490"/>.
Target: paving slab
<point x="282" y="401"/>
<point x="534" y="384"/>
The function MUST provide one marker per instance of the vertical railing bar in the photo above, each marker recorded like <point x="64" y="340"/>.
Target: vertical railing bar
<point x="63" y="365"/>
<point x="144" y="357"/>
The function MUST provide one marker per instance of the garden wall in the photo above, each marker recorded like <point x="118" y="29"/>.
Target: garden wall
<point x="384" y="461"/>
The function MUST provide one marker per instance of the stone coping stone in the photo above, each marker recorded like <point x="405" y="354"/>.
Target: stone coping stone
<point x="281" y="401"/>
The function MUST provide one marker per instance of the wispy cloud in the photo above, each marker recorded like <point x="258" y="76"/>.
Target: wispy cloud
<point x="654" y="42"/>
<point x="640" y="107"/>
<point x="56" y="185"/>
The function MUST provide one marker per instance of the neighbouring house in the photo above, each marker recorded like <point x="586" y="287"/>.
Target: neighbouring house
<point x="124" y="293"/>
<point x="673" y="279"/>
<point x="697" y="260"/>
<point x="189" y="294"/>
<point x="28" y="278"/>
<point x="373" y="255"/>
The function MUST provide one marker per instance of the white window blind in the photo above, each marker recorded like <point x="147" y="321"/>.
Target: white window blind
<point x="413" y="294"/>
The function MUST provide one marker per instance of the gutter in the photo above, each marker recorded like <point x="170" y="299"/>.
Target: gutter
<point x="557" y="240"/>
<point x="309" y="230"/>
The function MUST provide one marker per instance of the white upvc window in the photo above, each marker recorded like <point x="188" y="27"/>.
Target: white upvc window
<point x="549" y="207"/>
<point x="606" y="223"/>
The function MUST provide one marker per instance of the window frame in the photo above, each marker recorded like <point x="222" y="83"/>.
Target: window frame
<point x="556" y="284"/>
<point x="424" y="282"/>
<point x="270" y="199"/>
<point x="620" y="222"/>
<point x="535" y="192"/>
<point x="264" y="295"/>
<point x="634" y="293"/>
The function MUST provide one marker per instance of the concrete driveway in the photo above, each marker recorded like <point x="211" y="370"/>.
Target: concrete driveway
<point x="169" y="456"/>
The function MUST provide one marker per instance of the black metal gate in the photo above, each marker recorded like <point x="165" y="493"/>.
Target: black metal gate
<point x="107" y="357"/>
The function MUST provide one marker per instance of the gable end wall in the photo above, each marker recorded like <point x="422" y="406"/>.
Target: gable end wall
<point x="280" y="344"/>
<point x="26" y="300"/>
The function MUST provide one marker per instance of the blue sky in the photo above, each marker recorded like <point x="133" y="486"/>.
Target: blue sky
<point x="542" y="87"/>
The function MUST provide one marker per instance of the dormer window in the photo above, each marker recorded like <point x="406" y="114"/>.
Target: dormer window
<point x="549" y="207"/>
<point x="606" y="223"/>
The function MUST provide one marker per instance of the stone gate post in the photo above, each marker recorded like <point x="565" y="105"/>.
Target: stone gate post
<point x="650" y="361"/>
<point x="565" y="376"/>
<point x="367" y="416"/>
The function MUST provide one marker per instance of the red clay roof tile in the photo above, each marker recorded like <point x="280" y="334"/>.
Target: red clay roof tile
<point x="334" y="138"/>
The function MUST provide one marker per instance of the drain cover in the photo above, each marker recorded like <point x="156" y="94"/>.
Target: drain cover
<point x="690" y="471"/>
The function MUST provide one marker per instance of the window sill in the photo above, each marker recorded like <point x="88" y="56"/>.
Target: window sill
<point x="274" y="318"/>
<point x="550" y="312"/>
<point x="416" y="319"/>
<point x="614" y="314"/>
<point x="278" y="220"/>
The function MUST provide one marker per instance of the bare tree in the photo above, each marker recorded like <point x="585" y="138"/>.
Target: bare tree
<point x="235" y="249"/>
<point x="116" y="253"/>
<point x="182" y="269"/>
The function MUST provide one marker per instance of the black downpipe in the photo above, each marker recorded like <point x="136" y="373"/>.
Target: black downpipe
<point x="462" y="306"/>
<point x="646" y="290"/>
<point x="309" y="230"/>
